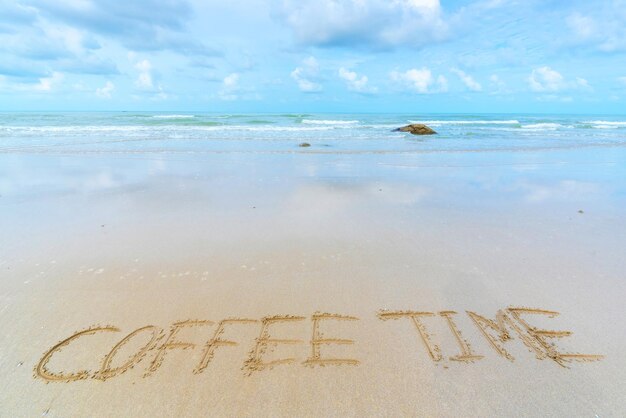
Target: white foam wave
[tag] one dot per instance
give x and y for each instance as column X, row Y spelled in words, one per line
column 173, row 116
column 271, row 128
column 606, row 124
column 467, row 122
column 329, row 122
column 140, row 128
column 382, row 126
column 543, row 126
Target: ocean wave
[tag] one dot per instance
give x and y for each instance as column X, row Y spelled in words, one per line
column 606, row 124
column 294, row 115
column 329, row 122
column 381, row 126
column 467, row 122
column 260, row 122
column 543, row 126
column 277, row 128
column 173, row 116
column 76, row 129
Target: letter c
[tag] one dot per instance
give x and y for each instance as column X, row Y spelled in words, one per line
column 41, row 370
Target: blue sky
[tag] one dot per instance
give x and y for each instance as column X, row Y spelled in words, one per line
column 314, row 55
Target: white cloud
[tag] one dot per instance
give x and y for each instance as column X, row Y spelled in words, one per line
column 307, row 76
column 143, row 66
column 72, row 39
column 354, row 82
column 582, row 84
column 547, row 80
column 469, row 82
column 140, row 25
column 601, row 26
column 497, row 85
column 371, row 23
column 419, row 80
column 231, row 81
column 622, row 80
column 230, row 86
column 584, row 27
column 48, row 83
column 144, row 79
column 231, row 89
column 106, row 91
column 43, row 84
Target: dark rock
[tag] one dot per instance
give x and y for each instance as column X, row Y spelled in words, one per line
column 416, row 129
column 304, row 145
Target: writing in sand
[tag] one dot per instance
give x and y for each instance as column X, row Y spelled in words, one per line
column 497, row 331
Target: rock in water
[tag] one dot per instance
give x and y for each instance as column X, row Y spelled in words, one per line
column 416, row 129
column 304, row 145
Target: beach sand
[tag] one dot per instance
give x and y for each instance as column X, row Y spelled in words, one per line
column 318, row 261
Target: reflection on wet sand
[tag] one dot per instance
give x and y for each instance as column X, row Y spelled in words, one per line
column 232, row 279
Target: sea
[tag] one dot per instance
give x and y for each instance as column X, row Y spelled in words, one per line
column 199, row 132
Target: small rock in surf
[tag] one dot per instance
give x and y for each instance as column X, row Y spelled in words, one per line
column 416, row 129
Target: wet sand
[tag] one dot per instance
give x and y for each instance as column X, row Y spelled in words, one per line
column 310, row 284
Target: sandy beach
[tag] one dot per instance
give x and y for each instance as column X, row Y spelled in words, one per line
column 313, row 284
column 312, row 208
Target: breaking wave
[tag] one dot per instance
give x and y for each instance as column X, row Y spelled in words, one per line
column 467, row 122
column 329, row 122
column 173, row 117
column 606, row 124
column 543, row 126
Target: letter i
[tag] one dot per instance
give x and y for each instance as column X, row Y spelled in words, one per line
column 466, row 351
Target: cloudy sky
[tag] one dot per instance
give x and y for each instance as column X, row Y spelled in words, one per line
column 314, row 55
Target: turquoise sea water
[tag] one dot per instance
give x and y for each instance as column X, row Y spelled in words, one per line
column 193, row 132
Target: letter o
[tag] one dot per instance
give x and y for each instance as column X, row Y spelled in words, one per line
column 105, row 370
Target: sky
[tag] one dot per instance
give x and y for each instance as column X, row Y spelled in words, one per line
column 439, row 56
